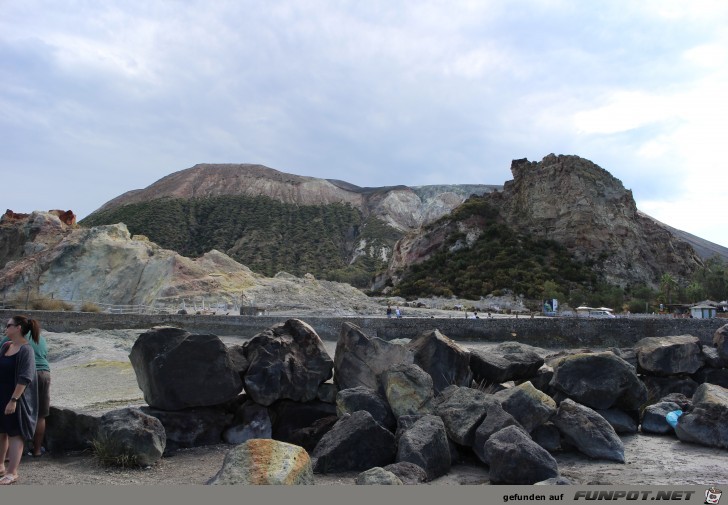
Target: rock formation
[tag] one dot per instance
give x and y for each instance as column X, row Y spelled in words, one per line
column 578, row 204
column 40, row 255
column 513, row 431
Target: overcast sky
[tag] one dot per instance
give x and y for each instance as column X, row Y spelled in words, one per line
column 101, row 97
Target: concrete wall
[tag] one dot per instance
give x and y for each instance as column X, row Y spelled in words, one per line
column 544, row 332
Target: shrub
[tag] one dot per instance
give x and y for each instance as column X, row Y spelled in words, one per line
column 90, row 307
column 49, row 304
column 108, row 452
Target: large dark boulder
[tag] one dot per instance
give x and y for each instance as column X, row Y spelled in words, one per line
column 301, row 423
column 717, row 376
column 712, row 357
column 68, row 430
column 462, row 410
column 132, row 437
column 669, row 355
column 495, row 420
column 707, row 423
column 177, row 370
column 528, row 405
column 659, row 387
column 654, row 420
column 547, row 436
column 720, row 342
column 351, row 400
column 508, row 361
column 192, row 427
column 516, row 459
column 447, row 362
column 599, row 380
column 359, row 360
column 287, row 361
column 621, row 421
column 355, row 442
column 425, row 444
column 408, row 473
column 251, row 421
column 589, row 432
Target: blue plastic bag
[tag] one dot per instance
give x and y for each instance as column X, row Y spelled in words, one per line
column 673, row 416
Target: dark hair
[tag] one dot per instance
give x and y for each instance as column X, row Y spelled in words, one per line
column 28, row 325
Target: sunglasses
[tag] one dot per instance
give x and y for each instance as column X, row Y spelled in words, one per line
column 9, row 325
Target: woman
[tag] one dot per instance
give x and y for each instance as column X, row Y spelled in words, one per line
column 18, row 393
column 43, row 373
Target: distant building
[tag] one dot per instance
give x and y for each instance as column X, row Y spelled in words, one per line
column 704, row 310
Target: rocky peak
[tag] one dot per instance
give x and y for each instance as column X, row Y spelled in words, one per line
column 578, row 204
column 582, row 206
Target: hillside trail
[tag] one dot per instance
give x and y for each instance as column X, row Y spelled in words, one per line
column 91, row 372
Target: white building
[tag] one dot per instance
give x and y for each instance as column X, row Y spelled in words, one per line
column 704, row 310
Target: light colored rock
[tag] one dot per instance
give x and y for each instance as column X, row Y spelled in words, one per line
column 265, row 462
column 408, row 389
column 377, row 476
column 105, row 264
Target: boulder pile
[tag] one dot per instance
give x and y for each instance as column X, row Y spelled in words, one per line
column 404, row 412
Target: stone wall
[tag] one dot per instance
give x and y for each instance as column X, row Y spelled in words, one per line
column 556, row 332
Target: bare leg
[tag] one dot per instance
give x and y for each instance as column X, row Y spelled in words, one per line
column 39, row 435
column 15, row 453
column 3, row 450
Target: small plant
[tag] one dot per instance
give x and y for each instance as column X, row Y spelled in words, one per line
column 109, row 452
column 486, row 386
column 90, row 307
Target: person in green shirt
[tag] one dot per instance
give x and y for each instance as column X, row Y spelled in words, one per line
column 43, row 371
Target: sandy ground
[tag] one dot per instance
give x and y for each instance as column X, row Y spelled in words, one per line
column 91, row 371
column 651, row 460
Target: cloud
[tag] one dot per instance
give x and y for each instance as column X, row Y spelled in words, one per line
column 122, row 94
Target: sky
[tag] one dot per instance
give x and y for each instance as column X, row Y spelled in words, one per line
column 99, row 98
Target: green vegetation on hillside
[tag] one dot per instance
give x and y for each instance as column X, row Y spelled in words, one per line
column 500, row 259
column 269, row 237
column 266, row 235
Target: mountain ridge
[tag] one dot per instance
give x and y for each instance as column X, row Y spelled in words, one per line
column 376, row 234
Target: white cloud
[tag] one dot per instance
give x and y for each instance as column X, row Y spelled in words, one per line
column 373, row 92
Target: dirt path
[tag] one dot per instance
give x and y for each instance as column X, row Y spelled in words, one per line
column 651, row 460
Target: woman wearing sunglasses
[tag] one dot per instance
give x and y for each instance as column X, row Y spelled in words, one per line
column 18, row 393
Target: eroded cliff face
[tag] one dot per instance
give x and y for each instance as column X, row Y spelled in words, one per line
column 576, row 203
column 104, row 264
column 582, row 206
